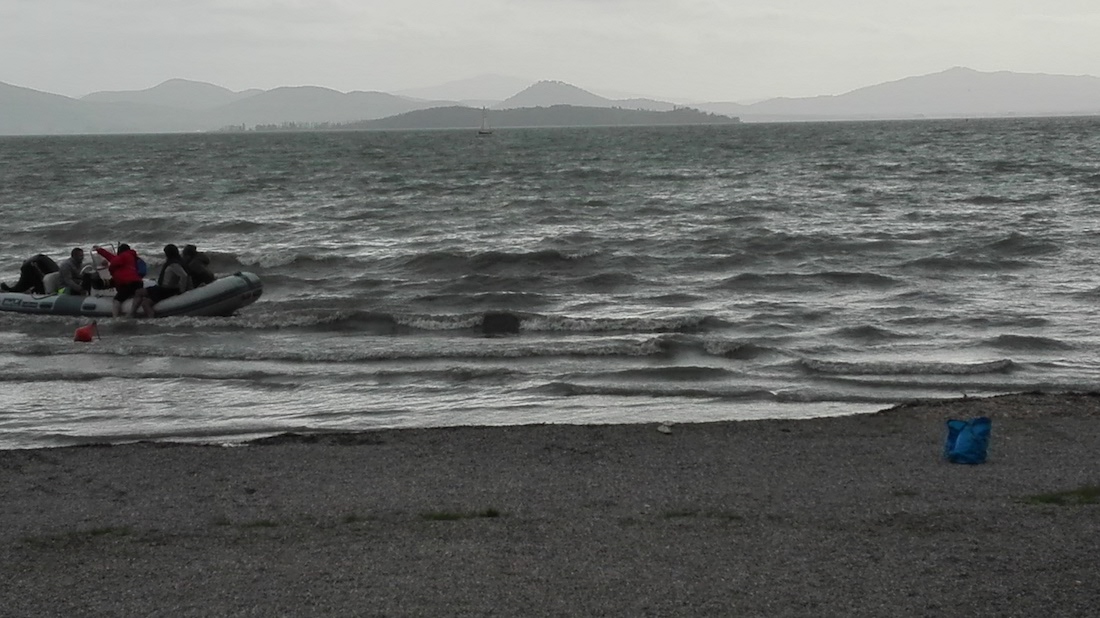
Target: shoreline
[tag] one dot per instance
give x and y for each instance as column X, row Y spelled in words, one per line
column 852, row 516
column 1038, row 404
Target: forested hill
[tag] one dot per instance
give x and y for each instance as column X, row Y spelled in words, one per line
column 457, row 117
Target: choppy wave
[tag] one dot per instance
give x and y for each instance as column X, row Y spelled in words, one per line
column 257, row 378
column 396, row 346
column 681, row 324
column 376, row 322
column 1027, row 342
column 985, row 200
column 382, row 322
column 906, row 367
column 726, row 393
column 239, row 226
column 454, row 261
column 677, row 374
column 870, row 333
column 959, row 262
column 568, row 389
column 472, row 349
column 1017, row 244
column 296, row 262
column 799, row 281
column 739, row 350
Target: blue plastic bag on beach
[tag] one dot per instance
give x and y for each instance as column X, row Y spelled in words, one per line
column 967, row 441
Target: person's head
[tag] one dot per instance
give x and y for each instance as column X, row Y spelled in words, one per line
column 189, row 250
column 77, row 255
column 171, row 252
column 123, row 247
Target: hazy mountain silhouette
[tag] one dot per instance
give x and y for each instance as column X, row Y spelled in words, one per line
column 30, row 112
column 479, row 91
column 184, row 105
column 181, row 93
column 313, row 104
column 547, row 93
column 957, row 92
column 26, row 111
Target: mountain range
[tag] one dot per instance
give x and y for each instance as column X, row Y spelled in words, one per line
column 182, row 105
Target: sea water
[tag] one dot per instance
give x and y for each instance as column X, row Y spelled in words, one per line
column 675, row 274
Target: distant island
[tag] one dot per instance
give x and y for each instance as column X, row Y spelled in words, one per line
column 179, row 105
column 459, row 117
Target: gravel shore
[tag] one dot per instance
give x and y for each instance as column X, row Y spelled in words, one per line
column 853, row 516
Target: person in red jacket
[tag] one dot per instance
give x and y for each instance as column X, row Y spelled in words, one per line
column 124, row 275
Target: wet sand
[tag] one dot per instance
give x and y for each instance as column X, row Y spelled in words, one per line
column 854, row 516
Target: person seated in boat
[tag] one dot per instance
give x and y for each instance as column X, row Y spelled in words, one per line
column 73, row 279
column 124, row 273
column 197, row 265
column 173, row 280
column 32, row 274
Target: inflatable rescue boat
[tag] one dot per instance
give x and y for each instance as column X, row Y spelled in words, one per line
column 223, row 297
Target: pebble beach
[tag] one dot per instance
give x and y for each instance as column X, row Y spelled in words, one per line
column 848, row 516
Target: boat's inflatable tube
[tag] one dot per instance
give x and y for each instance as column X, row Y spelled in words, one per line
column 221, row 298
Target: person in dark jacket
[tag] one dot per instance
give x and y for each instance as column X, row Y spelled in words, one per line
column 197, row 265
column 173, row 280
column 31, row 275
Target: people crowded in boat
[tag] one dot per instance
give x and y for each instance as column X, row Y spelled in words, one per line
column 173, row 280
column 76, row 278
column 197, row 266
column 112, row 283
column 181, row 272
column 32, row 275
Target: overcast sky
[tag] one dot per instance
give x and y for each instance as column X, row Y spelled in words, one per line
column 702, row 50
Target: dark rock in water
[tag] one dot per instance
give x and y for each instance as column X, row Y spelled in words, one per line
column 499, row 324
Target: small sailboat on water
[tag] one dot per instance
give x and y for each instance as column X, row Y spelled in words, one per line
column 484, row 130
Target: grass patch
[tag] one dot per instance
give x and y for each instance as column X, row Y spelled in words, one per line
column 260, row 523
column 726, row 515
column 442, row 516
column 1088, row 494
column 356, row 518
column 77, row 537
column 457, row 515
column 109, row 531
column 682, row 513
